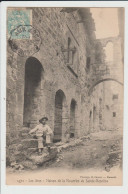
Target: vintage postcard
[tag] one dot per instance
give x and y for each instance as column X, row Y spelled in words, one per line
column 64, row 96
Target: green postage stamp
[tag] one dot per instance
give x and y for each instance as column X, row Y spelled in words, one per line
column 19, row 20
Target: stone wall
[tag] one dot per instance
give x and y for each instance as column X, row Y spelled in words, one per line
column 113, row 106
column 61, row 71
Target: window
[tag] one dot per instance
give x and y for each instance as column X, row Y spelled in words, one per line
column 69, row 59
column 114, row 114
column 115, row 96
column 90, row 114
column 88, row 62
column 109, row 52
column 71, row 55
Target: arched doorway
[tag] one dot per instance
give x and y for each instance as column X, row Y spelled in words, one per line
column 72, row 118
column 94, row 117
column 90, row 121
column 100, row 112
column 33, row 75
column 59, row 113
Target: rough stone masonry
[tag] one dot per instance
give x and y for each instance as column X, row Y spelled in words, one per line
column 55, row 80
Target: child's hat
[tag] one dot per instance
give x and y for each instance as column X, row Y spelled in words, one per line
column 44, row 117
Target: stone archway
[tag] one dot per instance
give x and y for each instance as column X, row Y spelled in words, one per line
column 32, row 89
column 72, row 118
column 60, row 101
column 100, row 81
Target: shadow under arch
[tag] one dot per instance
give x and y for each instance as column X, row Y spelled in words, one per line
column 60, row 111
column 103, row 80
column 33, row 60
column 34, row 73
column 73, row 110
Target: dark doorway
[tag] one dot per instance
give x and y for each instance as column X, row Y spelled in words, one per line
column 72, row 118
column 59, row 103
column 90, row 121
column 94, row 117
column 100, row 111
column 33, row 75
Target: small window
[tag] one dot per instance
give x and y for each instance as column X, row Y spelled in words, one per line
column 88, row 62
column 114, row 114
column 115, row 96
column 90, row 114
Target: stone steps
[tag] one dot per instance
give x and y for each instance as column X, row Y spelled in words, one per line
column 24, row 132
column 26, row 151
column 44, row 157
column 29, row 143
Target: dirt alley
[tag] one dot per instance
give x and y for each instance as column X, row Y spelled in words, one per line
column 102, row 152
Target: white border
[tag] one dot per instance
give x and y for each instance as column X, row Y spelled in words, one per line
column 60, row 189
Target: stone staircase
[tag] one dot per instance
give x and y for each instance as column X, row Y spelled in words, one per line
column 25, row 152
column 28, row 141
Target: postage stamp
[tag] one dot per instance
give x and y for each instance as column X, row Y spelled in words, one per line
column 19, row 17
column 23, row 38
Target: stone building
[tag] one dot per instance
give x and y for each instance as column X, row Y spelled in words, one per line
column 51, row 81
column 106, row 92
column 60, row 78
column 106, row 111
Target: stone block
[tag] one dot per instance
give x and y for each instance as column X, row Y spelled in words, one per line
column 27, row 143
column 45, row 157
column 29, row 165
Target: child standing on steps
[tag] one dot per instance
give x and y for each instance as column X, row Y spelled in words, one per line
column 43, row 131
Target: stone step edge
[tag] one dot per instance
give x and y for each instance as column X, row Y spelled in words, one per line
column 27, row 140
column 62, row 147
column 74, row 141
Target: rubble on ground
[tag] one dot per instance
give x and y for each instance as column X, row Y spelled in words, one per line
column 32, row 160
column 17, row 166
column 114, row 156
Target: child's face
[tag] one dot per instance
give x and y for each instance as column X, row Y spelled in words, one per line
column 44, row 121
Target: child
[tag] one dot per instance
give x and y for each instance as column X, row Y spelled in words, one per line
column 42, row 130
